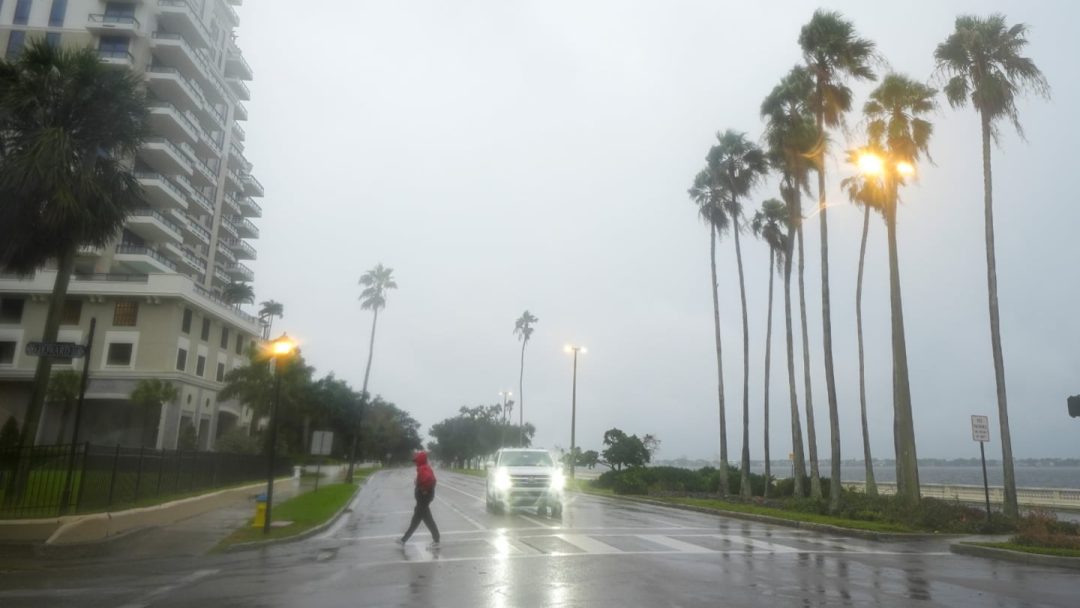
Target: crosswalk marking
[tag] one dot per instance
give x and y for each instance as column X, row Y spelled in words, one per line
column 671, row 543
column 588, row 544
column 757, row 545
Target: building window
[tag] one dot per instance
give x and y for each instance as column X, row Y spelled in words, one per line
column 52, row 39
column 22, row 11
column 120, row 9
column 185, row 325
column 224, row 337
column 113, row 47
column 125, row 314
column 239, row 343
column 119, row 354
column 181, row 359
column 56, row 15
column 205, row 330
column 11, row 310
column 16, row 42
column 7, row 353
column 220, row 372
column 200, row 366
column 72, row 312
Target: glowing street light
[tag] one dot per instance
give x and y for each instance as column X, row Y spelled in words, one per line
column 572, row 348
column 871, row 164
column 278, row 349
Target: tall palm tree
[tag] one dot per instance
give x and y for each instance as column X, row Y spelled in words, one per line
column 862, row 191
column 523, row 329
column 149, row 394
column 983, row 61
column 237, row 293
column 769, row 224
column 895, row 124
column 63, row 391
column 376, row 282
column 269, row 310
column 832, row 52
column 738, row 165
column 68, row 124
column 711, row 211
column 791, row 137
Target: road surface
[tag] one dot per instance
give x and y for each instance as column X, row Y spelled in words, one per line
column 603, row 553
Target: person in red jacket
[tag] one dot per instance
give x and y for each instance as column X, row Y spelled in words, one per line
column 425, row 494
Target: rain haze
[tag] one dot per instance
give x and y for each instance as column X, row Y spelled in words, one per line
column 504, row 156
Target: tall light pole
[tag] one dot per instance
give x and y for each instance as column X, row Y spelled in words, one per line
column 280, row 348
column 572, row 348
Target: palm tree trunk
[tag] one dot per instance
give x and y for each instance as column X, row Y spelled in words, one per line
column 719, row 364
column 768, row 361
column 826, row 333
column 871, row 485
column 1011, row 508
column 798, row 458
column 371, row 349
column 521, row 384
column 744, row 479
column 363, row 392
column 907, row 462
column 811, row 434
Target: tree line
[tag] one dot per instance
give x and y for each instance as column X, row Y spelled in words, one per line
column 981, row 63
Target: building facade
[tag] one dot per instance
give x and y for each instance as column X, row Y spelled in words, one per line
column 156, row 292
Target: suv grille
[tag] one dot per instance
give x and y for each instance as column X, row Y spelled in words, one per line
column 531, row 481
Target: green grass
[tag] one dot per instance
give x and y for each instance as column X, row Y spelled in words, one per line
column 1032, row 549
column 305, row 511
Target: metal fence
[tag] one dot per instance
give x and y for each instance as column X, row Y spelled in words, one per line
column 46, row 481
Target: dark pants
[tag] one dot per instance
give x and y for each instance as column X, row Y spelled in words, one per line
column 423, row 513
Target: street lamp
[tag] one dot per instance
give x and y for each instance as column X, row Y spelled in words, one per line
column 572, row 348
column 278, row 349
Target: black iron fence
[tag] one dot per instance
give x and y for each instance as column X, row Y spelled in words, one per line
column 46, row 481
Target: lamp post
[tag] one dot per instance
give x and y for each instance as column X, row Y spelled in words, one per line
column 282, row 347
column 575, row 349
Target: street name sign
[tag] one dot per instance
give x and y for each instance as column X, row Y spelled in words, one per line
column 56, row 350
column 321, row 443
column 980, row 429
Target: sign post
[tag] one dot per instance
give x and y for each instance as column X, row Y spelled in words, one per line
column 85, row 352
column 321, row 444
column 980, row 431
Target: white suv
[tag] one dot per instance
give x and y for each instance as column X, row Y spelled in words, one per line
column 525, row 477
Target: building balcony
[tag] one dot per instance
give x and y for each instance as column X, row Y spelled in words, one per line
column 241, row 249
column 232, row 206
column 160, row 191
column 222, row 276
column 252, row 186
column 195, row 232
column 208, row 145
column 169, row 121
column 238, row 132
column 241, row 90
column 185, row 259
column 122, row 59
column 228, row 231
column 113, row 25
column 244, row 227
column 142, row 259
column 236, row 66
column 179, row 16
column 249, row 208
column 234, row 17
column 225, row 254
column 202, row 203
column 240, row 272
column 165, row 156
column 237, row 160
column 202, row 175
column 234, row 180
column 240, row 112
column 151, row 225
column 169, row 84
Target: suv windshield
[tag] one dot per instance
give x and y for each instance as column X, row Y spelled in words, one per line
column 525, row 459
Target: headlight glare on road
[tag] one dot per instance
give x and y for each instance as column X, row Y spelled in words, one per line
column 558, row 481
column 502, row 480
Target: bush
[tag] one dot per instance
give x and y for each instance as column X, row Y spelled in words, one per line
column 237, row 441
column 1041, row 528
column 673, row 480
column 187, row 439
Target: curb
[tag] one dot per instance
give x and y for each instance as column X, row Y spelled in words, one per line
column 1034, row 559
column 306, row 534
column 779, row 521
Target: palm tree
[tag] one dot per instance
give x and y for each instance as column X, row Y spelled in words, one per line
column 769, row 225
column 738, row 165
column 377, row 282
column 149, row 394
column 791, row 137
column 862, row 191
column 983, row 62
column 895, row 125
column 237, row 293
column 68, row 124
column 523, row 329
column 832, row 52
column 269, row 310
column 64, row 391
column 711, row 211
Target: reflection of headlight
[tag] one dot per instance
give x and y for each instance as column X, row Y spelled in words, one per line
column 558, row 481
column 502, row 480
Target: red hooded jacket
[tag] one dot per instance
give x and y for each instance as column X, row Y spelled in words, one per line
column 425, row 477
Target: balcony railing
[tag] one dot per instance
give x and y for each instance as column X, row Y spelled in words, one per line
column 183, row 4
column 202, row 233
column 113, row 54
column 239, row 131
column 256, row 210
column 148, row 212
column 246, row 224
column 171, row 185
column 242, row 246
column 115, row 20
column 231, row 307
column 150, row 253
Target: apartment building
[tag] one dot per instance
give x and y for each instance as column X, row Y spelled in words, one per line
column 156, row 291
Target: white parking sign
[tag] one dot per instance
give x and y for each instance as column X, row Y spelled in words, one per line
column 980, row 428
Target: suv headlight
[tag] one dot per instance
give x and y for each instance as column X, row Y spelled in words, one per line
column 502, row 480
column 558, row 481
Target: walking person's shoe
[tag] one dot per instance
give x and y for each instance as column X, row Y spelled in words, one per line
column 400, row 542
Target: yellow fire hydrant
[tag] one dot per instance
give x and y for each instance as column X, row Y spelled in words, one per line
column 260, row 511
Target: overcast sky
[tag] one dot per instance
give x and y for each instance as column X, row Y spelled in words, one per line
column 503, row 156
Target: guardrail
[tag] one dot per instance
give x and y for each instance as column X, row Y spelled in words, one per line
column 1054, row 498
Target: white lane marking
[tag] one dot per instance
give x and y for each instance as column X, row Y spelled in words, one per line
column 450, row 487
column 478, row 525
column 671, row 543
column 538, row 522
column 587, row 544
column 757, row 545
column 148, row 599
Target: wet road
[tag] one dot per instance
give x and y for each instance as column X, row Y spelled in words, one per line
column 603, row 553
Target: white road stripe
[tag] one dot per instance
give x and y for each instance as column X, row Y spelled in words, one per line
column 587, row 544
column 148, row 599
column 478, row 525
column 459, row 491
column 757, row 545
column 675, row 544
column 538, row 522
